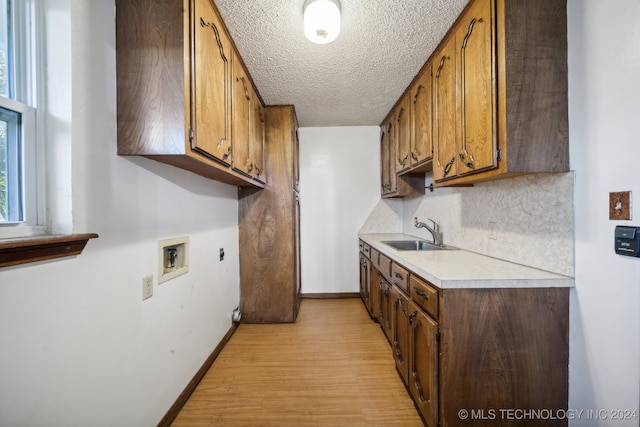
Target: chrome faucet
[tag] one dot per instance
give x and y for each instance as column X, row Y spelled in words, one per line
column 435, row 231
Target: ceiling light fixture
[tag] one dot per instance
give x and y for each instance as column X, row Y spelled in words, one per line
column 322, row 20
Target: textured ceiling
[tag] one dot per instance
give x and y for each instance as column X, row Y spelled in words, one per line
column 356, row 79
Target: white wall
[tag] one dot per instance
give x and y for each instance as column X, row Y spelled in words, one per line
column 339, row 186
column 78, row 346
column 604, row 113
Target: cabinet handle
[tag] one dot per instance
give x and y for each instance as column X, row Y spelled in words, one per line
column 469, row 163
column 244, row 85
column 416, row 382
column 250, row 168
column 258, row 171
column 415, row 98
column 442, row 61
column 471, row 25
column 412, row 317
column 217, row 34
column 414, row 156
column 227, row 154
column 447, row 168
column 422, row 294
column 403, row 160
column 396, row 347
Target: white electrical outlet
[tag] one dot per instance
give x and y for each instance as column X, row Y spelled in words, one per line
column 147, row 287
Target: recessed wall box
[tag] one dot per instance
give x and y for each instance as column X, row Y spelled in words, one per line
column 627, row 241
column 173, row 258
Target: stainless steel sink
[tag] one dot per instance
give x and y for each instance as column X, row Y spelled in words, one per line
column 413, row 245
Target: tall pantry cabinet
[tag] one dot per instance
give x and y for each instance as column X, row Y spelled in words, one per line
column 269, row 224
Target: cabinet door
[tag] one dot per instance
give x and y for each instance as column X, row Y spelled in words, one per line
column 400, row 335
column 422, row 118
column 364, row 280
column 403, row 134
column 393, row 149
column 385, row 303
column 375, row 296
column 241, row 120
column 476, row 93
column 423, row 363
column 385, row 183
column 445, row 164
column 257, row 139
column 210, row 85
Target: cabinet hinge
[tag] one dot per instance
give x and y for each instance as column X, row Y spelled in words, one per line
column 499, row 154
column 191, row 134
column 438, row 336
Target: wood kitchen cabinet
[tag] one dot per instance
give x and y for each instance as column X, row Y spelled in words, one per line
column 400, row 332
column 257, row 139
column 511, row 108
column 476, row 348
column 248, row 126
column 175, row 68
column 393, row 185
column 402, row 118
column 386, row 301
column 422, row 121
column 269, row 228
column 445, row 163
column 499, row 94
column 423, row 363
column 365, row 282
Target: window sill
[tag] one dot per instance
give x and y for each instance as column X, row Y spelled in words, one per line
column 41, row 248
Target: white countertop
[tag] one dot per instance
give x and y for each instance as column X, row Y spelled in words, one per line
column 457, row 268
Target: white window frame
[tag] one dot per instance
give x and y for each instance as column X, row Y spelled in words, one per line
column 28, row 51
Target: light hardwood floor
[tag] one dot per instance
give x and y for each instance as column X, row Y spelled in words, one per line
column 333, row 367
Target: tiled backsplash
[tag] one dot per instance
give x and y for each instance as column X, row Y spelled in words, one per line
column 527, row 220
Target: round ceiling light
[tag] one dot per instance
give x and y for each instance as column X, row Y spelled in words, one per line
column 322, row 20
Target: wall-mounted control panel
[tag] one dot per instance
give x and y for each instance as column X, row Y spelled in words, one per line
column 173, row 258
column 627, row 241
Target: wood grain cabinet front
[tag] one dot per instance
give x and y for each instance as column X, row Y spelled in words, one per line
column 473, row 348
column 511, row 114
column 400, row 332
column 495, row 112
column 392, row 184
column 421, row 139
column 269, row 228
column 175, row 69
column 423, row 363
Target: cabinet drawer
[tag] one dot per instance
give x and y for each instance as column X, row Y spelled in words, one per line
column 385, row 267
column 425, row 295
column 361, row 244
column 400, row 277
column 375, row 258
column 367, row 251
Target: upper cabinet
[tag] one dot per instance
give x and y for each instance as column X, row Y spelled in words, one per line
column 403, row 134
column 183, row 95
column 498, row 95
column 421, row 97
column 392, row 184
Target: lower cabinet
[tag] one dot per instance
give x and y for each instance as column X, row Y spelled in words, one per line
column 365, row 282
column 400, row 332
column 423, row 363
column 482, row 352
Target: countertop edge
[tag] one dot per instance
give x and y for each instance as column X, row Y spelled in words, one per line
column 521, row 276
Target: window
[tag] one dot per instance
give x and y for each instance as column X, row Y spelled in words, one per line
column 18, row 174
